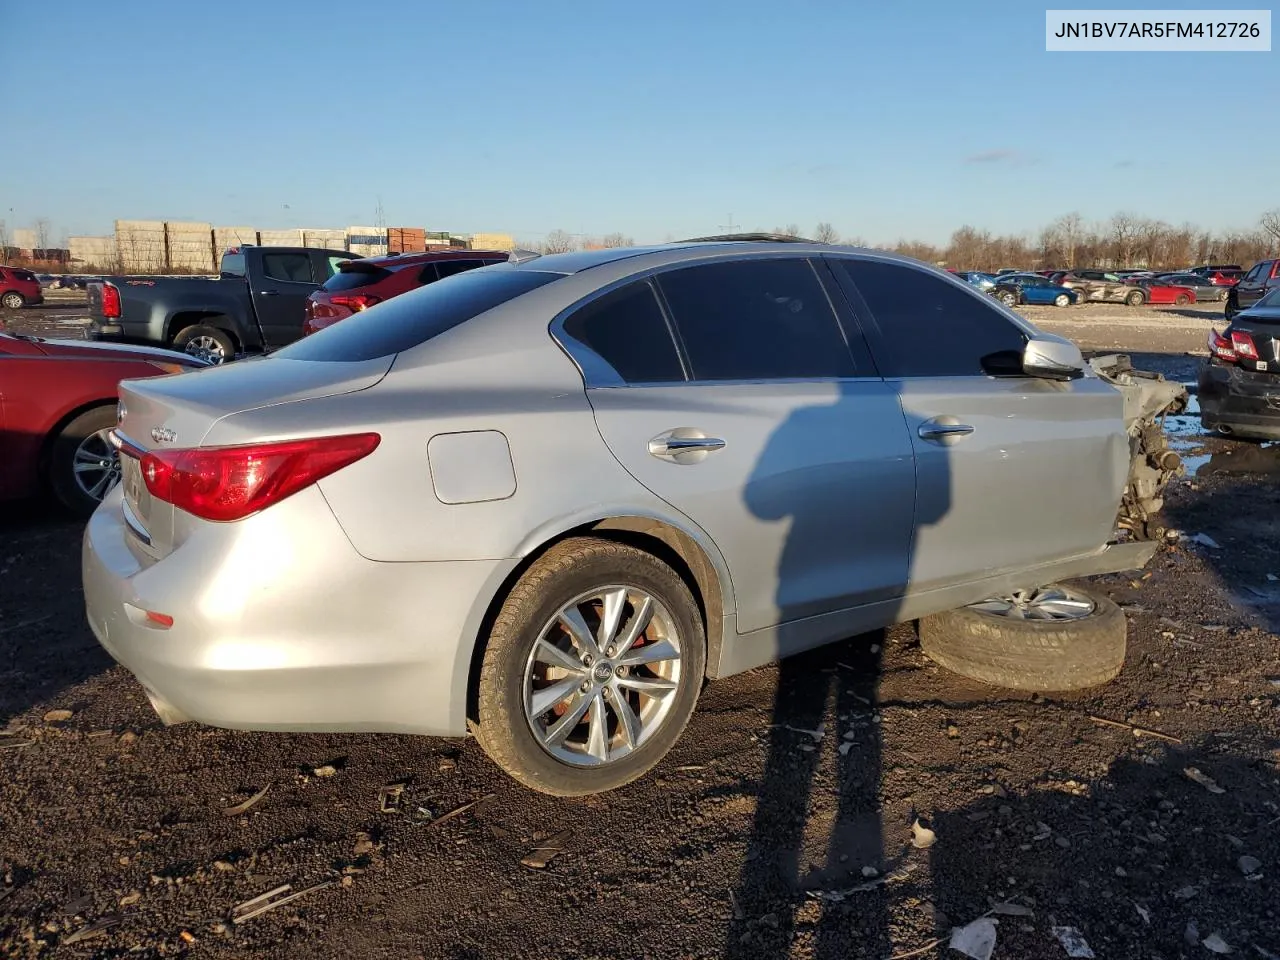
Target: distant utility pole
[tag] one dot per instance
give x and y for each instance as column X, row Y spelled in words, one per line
column 729, row 227
column 379, row 220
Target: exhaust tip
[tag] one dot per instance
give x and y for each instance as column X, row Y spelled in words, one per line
column 1225, row 430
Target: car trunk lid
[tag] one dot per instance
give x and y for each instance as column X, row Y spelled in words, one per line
column 1262, row 326
column 163, row 414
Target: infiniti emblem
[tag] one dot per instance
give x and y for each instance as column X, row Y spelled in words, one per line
column 163, row 435
column 602, row 672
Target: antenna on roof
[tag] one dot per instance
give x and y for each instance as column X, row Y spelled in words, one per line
column 520, row 256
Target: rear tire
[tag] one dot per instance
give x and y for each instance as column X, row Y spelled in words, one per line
column 1022, row 654
column 201, row 340
column 1136, row 299
column 13, row 300
column 522, row 741
column 83, row 466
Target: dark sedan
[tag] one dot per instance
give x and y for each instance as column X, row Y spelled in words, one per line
column 1206, row 292
column 1240, row 382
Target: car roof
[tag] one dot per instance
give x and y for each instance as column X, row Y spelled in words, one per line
column 691, row 251
column 427, row 256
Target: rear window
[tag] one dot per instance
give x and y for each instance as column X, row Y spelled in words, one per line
column 415, row 317
column 232, row 265
column 351, row 279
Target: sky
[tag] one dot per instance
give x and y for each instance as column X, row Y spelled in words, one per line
column 659, row 120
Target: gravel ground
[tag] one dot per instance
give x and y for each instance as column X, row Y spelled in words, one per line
column 755, row 838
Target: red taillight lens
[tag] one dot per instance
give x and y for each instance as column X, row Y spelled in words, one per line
column 110, row 301
column 357, row 301
column 1243, row 345
column 230, row 483
column 1220, row 347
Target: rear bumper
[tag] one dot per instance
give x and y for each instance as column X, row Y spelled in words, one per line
column 1239, row 402
column 278, row 624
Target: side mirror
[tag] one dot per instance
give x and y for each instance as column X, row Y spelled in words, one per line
column 1052, row 360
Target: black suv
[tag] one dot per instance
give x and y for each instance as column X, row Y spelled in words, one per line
column 1264, row 276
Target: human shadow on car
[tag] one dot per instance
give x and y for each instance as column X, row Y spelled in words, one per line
column 824, row 737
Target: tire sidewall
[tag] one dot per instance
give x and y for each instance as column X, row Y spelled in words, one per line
column 503, row 728
column 1135, row 299
column 62, row 479
column 1062, row 300
column 13, row 300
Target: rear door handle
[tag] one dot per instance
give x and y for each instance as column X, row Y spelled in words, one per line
column 684, row 445
column 268, row 293
column 944, row 430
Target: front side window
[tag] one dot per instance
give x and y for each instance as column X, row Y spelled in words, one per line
column 932, row 328
column 627, row 330
column 287, row 267
column 757, row 319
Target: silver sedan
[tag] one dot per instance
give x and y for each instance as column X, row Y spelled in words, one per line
column 542, row 501
column 1206, row 292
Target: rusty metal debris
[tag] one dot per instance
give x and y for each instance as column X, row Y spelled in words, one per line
column 240, row 808
column 1137, row 731
column 459, row 811
column 389, row 797
column 546, row 851
column 268, row 901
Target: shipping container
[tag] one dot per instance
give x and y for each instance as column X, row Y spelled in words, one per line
column 141, row 245
column 492, row 241
column 280, row 238
column 325, row 238
column 406, row 239
column 94, row 252
column 189, row 246
column 367, row 241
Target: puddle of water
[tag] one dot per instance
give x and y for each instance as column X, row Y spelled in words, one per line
column 1259, row 460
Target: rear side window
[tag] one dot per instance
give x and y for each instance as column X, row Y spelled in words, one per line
column 753, row 319
column 447, row 268
column 24, row 275
column 930, row 327
column 627, row 330
column 233, row 265
column 415, row 317
column 351, row 279
column 287, row 267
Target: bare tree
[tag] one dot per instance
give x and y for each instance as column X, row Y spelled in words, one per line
column 617, row 240
column 1271, row 224
column 825, row 233
column 4, row 236
column 1124, row 236
column 791, row 230
column 42, row 230
column 1069, row 229
column 558, row 241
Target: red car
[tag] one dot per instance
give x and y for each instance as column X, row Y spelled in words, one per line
column 57, row 405
column 359, row 284
column 19, row 288
column 1161, row 291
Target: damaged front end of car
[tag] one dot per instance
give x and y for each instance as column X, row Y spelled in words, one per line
column 1148, row 399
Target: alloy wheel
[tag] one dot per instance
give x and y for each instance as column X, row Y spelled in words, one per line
column 96, row 465
column 602, row 676
column 1044, row 603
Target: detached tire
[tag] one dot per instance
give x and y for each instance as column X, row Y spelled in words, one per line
column 552, row 662
column 1027, row 654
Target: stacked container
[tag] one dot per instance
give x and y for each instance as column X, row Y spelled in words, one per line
column 189, row 246
column 141, row 245
column 367, row 241
column 406, row 239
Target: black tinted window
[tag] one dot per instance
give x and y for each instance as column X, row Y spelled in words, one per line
column 930, row 327
column 415, row 317
column 626, row 328
column 233, row 264
column 448, row 268
column 351, row 279
column 289, row 267
column 756, row 320
column 428, row 274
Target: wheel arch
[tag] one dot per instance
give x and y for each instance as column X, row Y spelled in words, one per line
column 690, row 555
column 190, row 318
column 51, row 436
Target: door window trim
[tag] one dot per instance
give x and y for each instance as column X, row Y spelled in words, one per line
column 875, row 333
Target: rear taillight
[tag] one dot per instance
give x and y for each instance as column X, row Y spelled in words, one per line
column 110, row 301
column 230, row 483
column 356, row 301
column 1220, row 347
column 1244, row 346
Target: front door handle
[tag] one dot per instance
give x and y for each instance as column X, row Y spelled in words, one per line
column 944, row 430
column 268, row 293
column 684, row 445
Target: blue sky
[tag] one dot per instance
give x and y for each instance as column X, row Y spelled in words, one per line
column 658, row 120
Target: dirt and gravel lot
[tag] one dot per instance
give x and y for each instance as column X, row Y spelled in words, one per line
column 779, row 827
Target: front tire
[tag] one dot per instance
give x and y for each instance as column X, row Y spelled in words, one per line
column 83, row 465
column 1050, row 639
column 592, row 669
column 1008, row 298
column 1135, row 299
column 1062, row 300
column 1181, row 300
column 206, row 342
column 13, row 300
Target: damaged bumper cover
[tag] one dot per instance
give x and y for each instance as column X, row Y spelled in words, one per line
column 1148, row 399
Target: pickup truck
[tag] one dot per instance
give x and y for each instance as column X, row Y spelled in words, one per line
column 255, row 305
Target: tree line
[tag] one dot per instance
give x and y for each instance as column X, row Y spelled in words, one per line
column 1126, row 240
